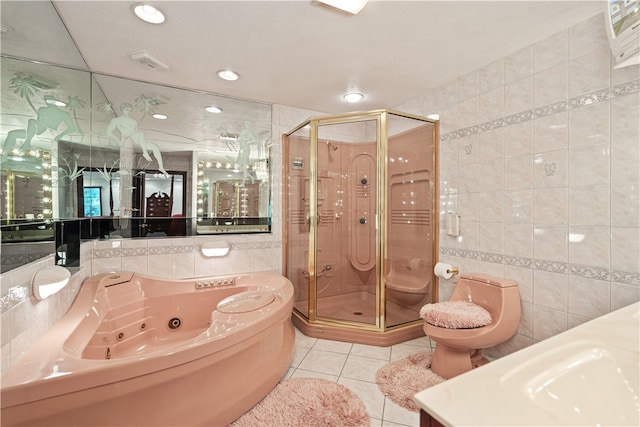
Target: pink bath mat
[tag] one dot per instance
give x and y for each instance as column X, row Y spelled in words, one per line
column 455, row 315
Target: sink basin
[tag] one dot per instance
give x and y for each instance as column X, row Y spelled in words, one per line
column 581, row 383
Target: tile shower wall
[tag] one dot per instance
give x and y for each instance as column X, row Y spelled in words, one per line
column 24, row 320
column 540, row 154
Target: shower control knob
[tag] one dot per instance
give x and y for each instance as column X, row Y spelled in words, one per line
column 363, row 221
column 363, row 181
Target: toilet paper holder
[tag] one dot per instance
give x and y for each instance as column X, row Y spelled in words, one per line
column 445, row 271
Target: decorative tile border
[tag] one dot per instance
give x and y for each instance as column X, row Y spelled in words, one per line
column 586, row 271
column 181, row 249
column 21, row 259
column 15, row 296
column 590, row 98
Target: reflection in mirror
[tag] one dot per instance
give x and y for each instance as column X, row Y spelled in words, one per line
column 229, row 138
column 42, row 106
column 26, row 186
column 75, row 144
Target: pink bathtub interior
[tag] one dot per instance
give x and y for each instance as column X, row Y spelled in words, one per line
column 133, row 350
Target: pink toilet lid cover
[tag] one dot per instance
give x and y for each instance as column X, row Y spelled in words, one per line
column 455, row 315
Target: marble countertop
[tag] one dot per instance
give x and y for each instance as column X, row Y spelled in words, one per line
column 587, row 375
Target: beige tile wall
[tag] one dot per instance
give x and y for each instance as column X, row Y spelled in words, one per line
column 540, row 154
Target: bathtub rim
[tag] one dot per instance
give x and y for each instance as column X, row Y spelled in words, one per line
column 26, row 381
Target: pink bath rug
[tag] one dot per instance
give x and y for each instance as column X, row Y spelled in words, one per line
column 307, row 402
column 455, row 314
column 401, row 379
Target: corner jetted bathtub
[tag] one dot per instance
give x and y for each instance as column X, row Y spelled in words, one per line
column 138, row 351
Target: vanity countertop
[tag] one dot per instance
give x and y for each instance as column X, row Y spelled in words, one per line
column 587, row 375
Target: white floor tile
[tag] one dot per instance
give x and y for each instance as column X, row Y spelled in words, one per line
column 362, row 368
column 355, row 366
column 369, row 394
column 325, row 362
column 301, row 373
column 371, row 351
column 397, row 414
column 333, row 346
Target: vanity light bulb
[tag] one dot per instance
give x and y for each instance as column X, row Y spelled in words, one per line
column 46, row 177
column 200, row 173
column 218, row 165
column 200, row 201
column 200, row 210
column 208, row 164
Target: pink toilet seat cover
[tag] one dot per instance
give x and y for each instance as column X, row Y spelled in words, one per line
column 455, row 315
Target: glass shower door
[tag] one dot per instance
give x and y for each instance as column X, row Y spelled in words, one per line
column 346, row 244
column 297, row 185
column 411, row 180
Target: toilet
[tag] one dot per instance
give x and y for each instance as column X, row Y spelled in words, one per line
column 483, row 311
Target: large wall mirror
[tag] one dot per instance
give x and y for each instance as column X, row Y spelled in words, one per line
column 133, row 159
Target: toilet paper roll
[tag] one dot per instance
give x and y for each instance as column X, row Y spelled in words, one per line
column 443, row 270
column 416, row 264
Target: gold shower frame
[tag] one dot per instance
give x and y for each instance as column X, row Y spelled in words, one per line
column 320, row 327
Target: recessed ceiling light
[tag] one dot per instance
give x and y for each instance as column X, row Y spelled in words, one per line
column 228, row 75
column 160, row 116
column 353, row 97
column 148, row 13
column 213, row 109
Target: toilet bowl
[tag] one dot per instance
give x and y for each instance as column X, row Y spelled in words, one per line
column 460, row 350
column 408, row 282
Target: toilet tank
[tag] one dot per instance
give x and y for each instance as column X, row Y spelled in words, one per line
column 486, row 291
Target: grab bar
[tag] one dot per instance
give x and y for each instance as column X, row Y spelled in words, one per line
column 326, row 268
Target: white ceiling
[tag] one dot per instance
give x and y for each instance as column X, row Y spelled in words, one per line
column 300, row 54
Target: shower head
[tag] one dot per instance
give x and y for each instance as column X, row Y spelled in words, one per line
column 330, row 145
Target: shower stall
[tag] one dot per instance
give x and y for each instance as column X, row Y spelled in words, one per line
column 361, row 197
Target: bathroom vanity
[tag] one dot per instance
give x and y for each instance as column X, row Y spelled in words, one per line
column 587, row 375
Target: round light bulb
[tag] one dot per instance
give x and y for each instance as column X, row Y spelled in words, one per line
column 353, row 97
column 228, row 75
column 148, row 13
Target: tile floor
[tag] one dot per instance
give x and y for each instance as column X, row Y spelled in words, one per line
column 355, row 366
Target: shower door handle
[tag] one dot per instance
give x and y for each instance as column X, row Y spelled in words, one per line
column 318, row 218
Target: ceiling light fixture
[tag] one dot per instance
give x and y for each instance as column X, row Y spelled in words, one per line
column 353, row 97
column 160, row 116
column 228, row 75
column 148, row 13
column 213, row 109
column 350, row 6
